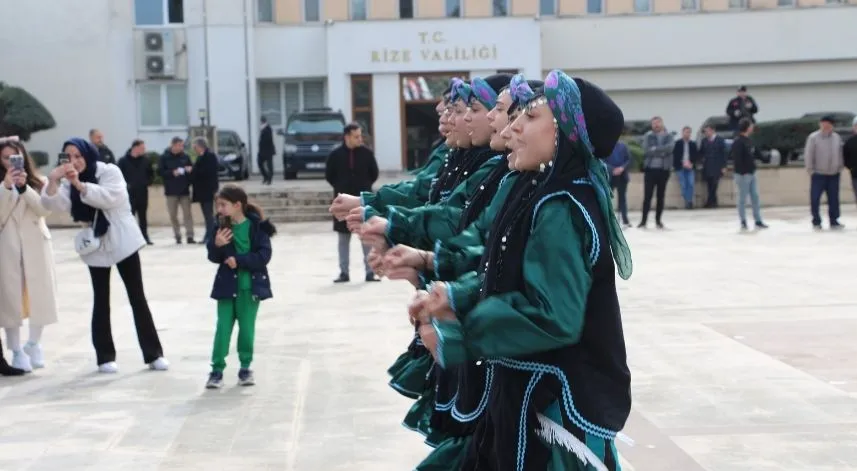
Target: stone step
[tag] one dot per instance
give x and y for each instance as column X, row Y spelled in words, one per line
column 297, row 210
column 289, row 218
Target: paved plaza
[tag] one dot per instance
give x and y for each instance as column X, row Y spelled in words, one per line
column 740, row 347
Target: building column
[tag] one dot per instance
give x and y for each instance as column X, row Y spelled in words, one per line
column 388, row 121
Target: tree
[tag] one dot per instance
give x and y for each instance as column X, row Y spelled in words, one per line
column 21, row 114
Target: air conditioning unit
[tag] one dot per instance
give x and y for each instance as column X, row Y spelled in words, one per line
column 159, row 54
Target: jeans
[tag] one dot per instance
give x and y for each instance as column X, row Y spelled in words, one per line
column 712, row 183
column 102, row 336
column 266, row 166
column 345, row 254
column 828, row 184
column 173, row 203
column 654, row 179
column 747, row 186
column 207, row 208
column 685, row 180
column 620, row 184
column 139, row 207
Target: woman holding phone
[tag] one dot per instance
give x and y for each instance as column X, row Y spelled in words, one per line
column 96, row 195
column 27, row 279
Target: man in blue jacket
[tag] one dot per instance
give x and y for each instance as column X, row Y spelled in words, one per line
column 685, row 156
column 617, row 164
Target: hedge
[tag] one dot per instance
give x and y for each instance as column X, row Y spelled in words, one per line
column 39, row 157
column 788, row 136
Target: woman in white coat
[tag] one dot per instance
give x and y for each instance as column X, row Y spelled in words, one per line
column 97, row 196
column 27, row 280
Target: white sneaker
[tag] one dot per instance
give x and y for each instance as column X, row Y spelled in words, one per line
column 34, row 351
column 110, row 367
column 160, row 364
column 21, row 361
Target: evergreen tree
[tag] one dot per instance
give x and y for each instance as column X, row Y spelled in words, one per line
column 21, row 114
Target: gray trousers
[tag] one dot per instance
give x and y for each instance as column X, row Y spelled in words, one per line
column 173, row 203
column 345, row 253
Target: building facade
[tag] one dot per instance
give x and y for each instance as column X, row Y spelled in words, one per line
column 378, row 60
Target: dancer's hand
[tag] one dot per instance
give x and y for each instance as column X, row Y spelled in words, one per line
column 429, row 337
column 404, row 273
column 373, row 232
column 438, row 302
column 355, row 219
column 375, row 259
column 342, row 204
column 416, row 307
column 231, row 263
column 402, row 256
column 223, row 237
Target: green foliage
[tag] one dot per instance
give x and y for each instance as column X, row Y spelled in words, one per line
column 21, row 114
column 40, row 158
column 153, row 162
column 785, row 135
column 636, row 151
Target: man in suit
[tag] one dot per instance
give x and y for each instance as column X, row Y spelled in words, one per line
column 266, row 152
column 205, row 183
column 713, row 152
column 685, row 156
column 351, row 169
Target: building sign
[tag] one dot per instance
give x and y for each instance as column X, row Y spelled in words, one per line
column 431, row 45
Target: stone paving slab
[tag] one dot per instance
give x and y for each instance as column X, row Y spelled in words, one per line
column 739, row 344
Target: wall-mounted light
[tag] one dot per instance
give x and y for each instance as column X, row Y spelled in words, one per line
column 203, row 115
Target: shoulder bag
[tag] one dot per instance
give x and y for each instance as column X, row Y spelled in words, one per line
column 85, row 241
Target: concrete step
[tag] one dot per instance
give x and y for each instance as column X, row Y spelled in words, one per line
column 288, row 218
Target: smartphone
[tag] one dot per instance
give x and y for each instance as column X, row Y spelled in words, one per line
column 17, row 161
column 224, row 221
column 63, row 158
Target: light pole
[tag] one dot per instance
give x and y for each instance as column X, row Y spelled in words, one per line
column 203, row 115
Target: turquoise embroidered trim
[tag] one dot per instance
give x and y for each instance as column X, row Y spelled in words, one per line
column 595, row 250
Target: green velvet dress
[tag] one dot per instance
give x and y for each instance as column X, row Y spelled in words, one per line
column 410, row 193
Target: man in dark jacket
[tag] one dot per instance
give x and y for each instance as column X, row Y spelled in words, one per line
column 175, row 168
column 740, row 107
column 849, row 155
column 617, row 164
column 713, row 152
column 351, row 168
column 744, row 156
column 685, row 156
column 205, row 183
column 104, row 152
column 139, row 175
column 266, row 152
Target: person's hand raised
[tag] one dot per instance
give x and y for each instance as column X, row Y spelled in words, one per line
column 223, row 237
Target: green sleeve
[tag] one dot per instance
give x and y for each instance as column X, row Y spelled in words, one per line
column 549, row 312
column 421, row 227
column 408, row 194
column 461, row 253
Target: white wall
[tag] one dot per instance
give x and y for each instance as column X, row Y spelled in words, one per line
column 294, row 51
column 80, row 70
column 387, row 114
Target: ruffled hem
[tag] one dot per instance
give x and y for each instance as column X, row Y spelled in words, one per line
column 448, row 456
column 409, row 379
column 419, row 415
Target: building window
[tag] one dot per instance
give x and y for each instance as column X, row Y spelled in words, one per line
column 547, row 7
column 785, row 3
column 835, row 2
column 453, row 8
column 689, row 5
column 501, row 7
column 594, row 7
column 361, row 102
column 312, row 10
column 642, row 6
column 264, row 11
column 358, row 10
column 738, row 4
column 162, row 105
column 278, row 100
column 158, row 12
column 406, row 8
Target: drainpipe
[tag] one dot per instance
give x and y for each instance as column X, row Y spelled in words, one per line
column 205, row 51
column 247, row 86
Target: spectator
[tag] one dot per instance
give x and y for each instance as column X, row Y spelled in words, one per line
column 658, row 145
column 617, row 164
column 849, row 155
column 744, row 156
column 205, row 183
column 740, row 107
column 175, row 167
column 713, row 151
column 685, row 156
column 823, row 159
column 351, row 168
column 104, row 153
column 139, row 174
column 266, row 152
column 97, row 196
column 27, row 277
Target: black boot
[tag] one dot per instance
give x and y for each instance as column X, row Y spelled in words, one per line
column 5, row 368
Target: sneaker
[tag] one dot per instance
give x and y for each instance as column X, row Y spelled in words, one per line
column 837, row 227
column 109, row 368
column 245, row 377
column 343, row 278
column 34, row 351
column 160, row 364
column 761, row 225
column 215, row 380
column 371, row 277
column 743, row 226
column 21, row 361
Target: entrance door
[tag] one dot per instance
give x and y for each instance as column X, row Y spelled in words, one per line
column 420, row 94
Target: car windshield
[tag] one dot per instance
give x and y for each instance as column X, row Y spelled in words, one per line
column 315, row 124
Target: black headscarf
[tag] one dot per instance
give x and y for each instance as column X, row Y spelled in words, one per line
column 80, row 211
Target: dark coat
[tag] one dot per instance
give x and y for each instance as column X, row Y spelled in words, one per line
column 106, row 155
column 266, row 143
column 204, row 177
column 849, row 155
column 741, row 108
column 350, row 171
column 678, row 154
column 744, row 155
column 255, row 261
column 138, row 173
column 713, row 156
column 174, row 185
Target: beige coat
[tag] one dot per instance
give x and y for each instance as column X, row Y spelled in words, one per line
column 28, row 260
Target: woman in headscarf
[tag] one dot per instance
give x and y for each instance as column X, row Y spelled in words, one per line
column 547, row 322
column 97, row 196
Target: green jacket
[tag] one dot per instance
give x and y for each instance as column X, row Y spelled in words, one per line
column 409, row 193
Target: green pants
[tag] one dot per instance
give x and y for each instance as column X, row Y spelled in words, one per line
column 243, row 309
